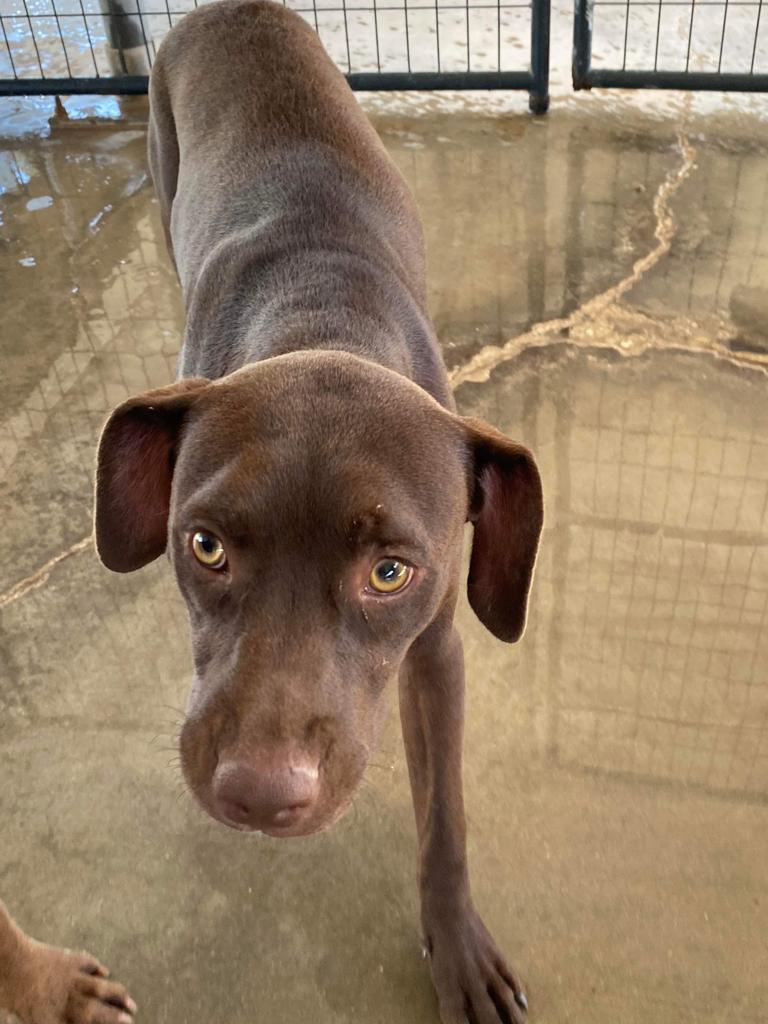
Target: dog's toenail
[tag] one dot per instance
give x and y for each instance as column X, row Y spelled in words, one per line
column 521, row 1000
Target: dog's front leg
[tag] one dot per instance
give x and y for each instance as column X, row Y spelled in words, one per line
column 474, row 984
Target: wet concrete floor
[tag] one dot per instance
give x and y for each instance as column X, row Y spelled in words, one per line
column 616, row 758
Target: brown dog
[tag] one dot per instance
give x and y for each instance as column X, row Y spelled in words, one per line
column 45, row 985
column 308, row 475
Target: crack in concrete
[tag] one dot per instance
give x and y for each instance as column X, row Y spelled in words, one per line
column 481, row 365
column 602, row 322
column 41, row 576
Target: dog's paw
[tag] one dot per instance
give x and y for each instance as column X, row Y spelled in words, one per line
column 56, row 986
column 473, row 982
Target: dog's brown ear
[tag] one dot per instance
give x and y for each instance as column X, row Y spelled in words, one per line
column 507, row 510
column 134, row 473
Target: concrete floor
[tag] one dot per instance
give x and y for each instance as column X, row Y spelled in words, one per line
column 617, row 758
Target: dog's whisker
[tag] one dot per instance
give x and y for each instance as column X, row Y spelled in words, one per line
column 172, row 707
column 169, row 733
column 165, row 739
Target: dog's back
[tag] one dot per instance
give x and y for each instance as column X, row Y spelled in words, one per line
column 289, row 224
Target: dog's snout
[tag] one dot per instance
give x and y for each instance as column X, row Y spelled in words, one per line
column 274, row 796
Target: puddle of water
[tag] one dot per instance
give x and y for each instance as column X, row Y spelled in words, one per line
column 39, row 203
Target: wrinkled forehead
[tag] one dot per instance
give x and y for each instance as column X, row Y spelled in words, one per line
column 355, row 464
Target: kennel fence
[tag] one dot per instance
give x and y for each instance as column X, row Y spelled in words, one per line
column 671, row 44
column 50, row 47
column 107, row 46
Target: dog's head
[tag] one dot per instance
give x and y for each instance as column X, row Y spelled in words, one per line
column 313, row 507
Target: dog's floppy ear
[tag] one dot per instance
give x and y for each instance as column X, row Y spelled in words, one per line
column 134, row 473
column 507, row 510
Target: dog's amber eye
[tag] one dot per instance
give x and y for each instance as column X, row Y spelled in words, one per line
column 389, row 575
column 208, row 550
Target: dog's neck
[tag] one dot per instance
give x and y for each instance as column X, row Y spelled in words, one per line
column 310, row 253
column 367, row 311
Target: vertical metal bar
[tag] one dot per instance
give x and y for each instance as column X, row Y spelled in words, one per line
column 626, row 35
column 126, row 38
column 466, row 14
column 757, row 33
column 8, row 47
column 61, row 37
column 722, row 36
column 346, row 35
column 658, row 34
column 582, row 44
column 142, row 31
column 168, row 13
column 690, row 35
column 437, row 34
column 407, row 35
column 34, row 41
column 498, row 40
column 538, row 97
column 90, row 41
column 376, row 31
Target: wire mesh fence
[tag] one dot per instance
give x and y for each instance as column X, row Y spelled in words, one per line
column 659, row 557
column 700, row 44
column 75, row 45
column 648, row 630
column 666, row 610
column 60, row 46
column 648, row 635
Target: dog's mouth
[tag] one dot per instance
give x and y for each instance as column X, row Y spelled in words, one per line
column 295, row 832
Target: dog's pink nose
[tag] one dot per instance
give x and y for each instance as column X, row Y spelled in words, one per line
column 278, row 795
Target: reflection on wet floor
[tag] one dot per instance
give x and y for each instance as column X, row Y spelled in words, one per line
column 650, row 611
column 617, row 758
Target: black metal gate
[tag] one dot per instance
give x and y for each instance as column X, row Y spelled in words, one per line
column 671, row 44
column 107, row 46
